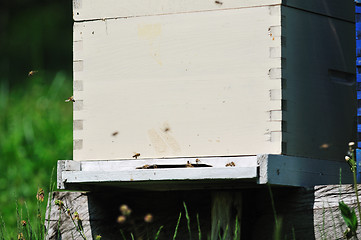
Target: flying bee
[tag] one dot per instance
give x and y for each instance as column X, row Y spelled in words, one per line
column 136, row 155
column 218, row 2
column 32, row 73
column 115, row 133
column 325, row 146
column 70, row 99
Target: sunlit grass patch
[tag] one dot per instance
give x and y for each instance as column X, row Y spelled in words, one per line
column 35, row 131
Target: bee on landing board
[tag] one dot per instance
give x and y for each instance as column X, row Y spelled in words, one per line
column 146, row 166
column 189, row 165
column 231, row 164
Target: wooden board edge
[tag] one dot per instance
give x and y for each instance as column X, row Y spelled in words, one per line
column 301, row 172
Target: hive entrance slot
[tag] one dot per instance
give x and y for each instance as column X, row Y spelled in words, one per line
column 187, row 165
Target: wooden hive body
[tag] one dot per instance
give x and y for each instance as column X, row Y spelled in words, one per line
column 171, row 79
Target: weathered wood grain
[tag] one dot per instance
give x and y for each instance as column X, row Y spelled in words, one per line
column 59, row 223
column 310, row 213
column 328, row 220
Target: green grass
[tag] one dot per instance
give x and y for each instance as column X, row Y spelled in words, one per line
column 35, row 132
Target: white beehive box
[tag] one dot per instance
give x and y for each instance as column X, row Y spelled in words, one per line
column 170, row 79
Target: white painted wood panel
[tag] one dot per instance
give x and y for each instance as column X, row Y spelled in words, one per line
column 131, row 164
column 98, row 177
column 184, row 85
column 95, row 9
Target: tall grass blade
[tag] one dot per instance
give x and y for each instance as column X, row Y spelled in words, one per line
column 58, row 227
column 157, row 234
column 278, row 230
column 122, row 233
column 294, row 234
column 323, row 222
column 2, row 237
column 225, row 234
column 320, row 231
column 272, row 202
column 236, row 230
column 3, row 228
column 219, row 230
column 356, row 192
column 176, row 227
column 18, row 216
column 188, row 220
column 39, row 221
column 199, row 228
column 51, row 188
column 333, row 220
column 339, row 189
column 28, row 224
column 2, row 232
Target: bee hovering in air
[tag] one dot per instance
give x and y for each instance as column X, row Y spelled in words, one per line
column 70, row 99
column 136, row 155
column 32, row 73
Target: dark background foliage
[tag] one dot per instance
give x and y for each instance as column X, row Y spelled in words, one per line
column 35, row 122
column 34, row 34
